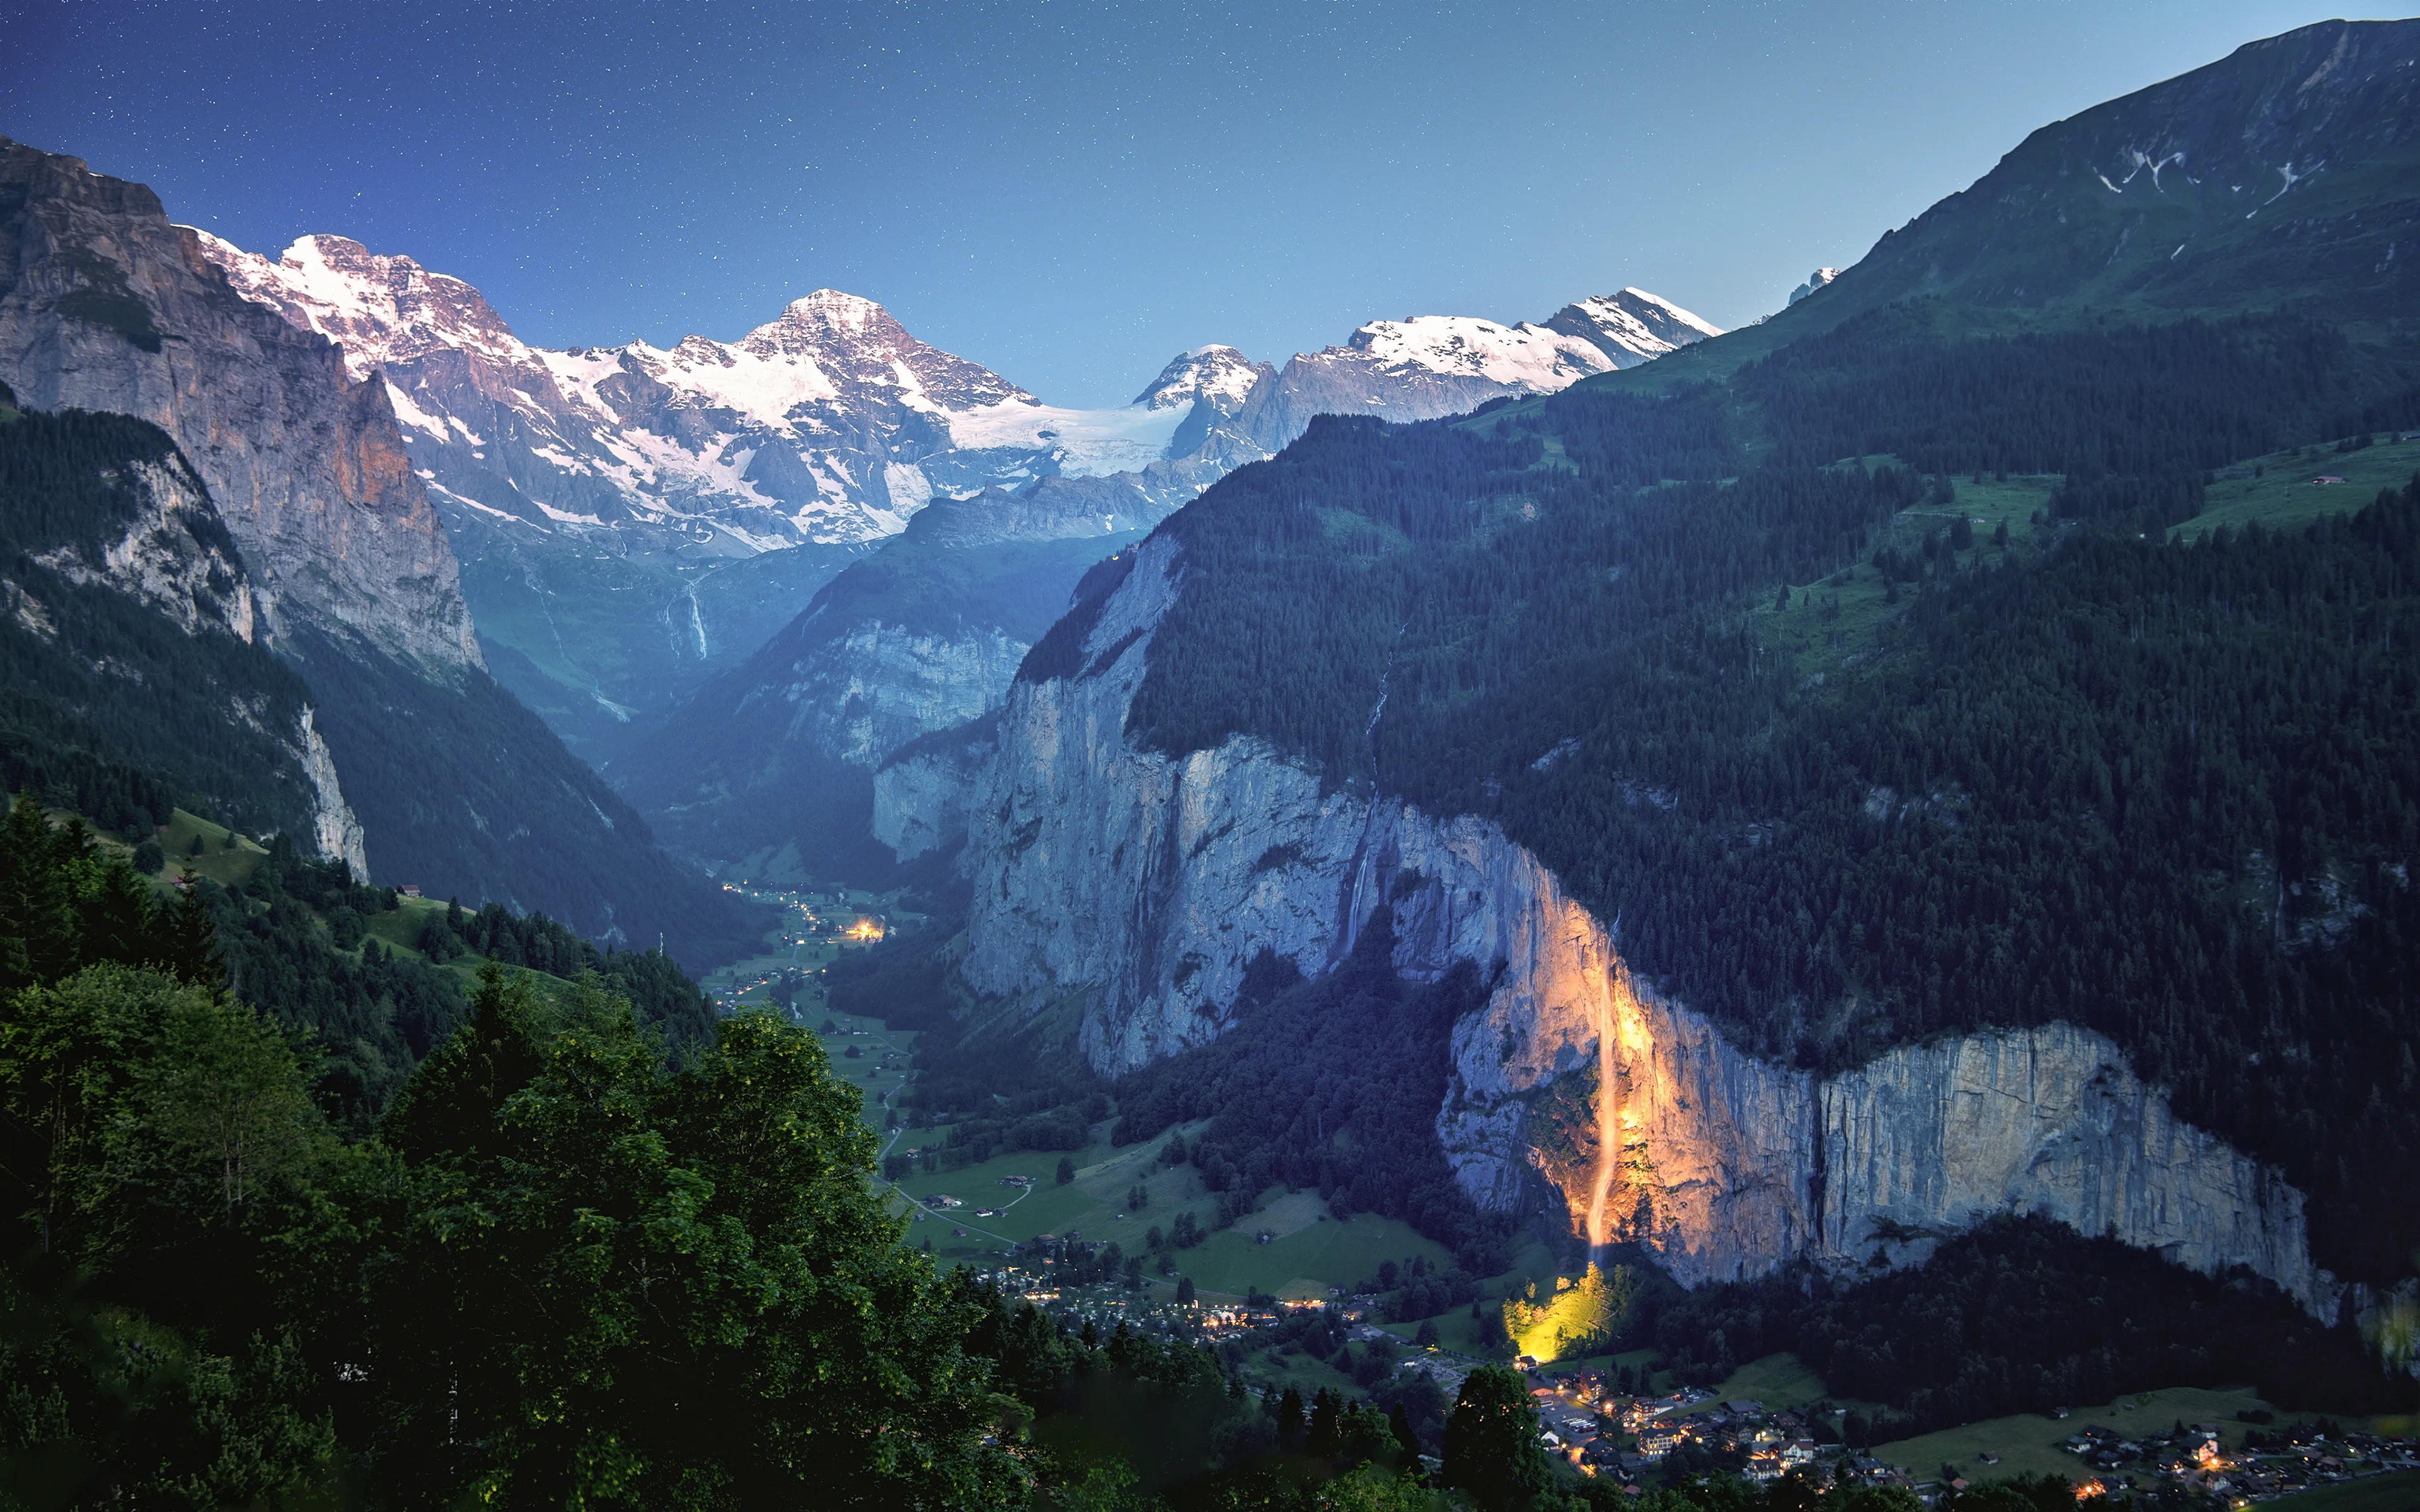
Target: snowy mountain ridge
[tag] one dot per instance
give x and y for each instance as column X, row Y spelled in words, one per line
column 1221, row 374
column 632, row 518
column 1426, row 366
column 1524, row 356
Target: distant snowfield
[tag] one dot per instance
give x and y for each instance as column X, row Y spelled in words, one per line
column 1091, row 443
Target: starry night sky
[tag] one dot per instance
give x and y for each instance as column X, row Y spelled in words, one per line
column 1071, row 192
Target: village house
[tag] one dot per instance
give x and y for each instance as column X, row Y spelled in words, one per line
column 1660, row 1438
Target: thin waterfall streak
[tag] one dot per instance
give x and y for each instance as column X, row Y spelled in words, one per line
column 1607, row 1126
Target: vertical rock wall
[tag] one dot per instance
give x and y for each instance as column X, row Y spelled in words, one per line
column 334, row 829
column 1129, row 890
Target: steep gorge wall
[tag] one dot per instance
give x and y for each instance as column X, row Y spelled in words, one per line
column 1130, row 890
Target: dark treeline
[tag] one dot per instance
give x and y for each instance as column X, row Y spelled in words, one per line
column 1622, row 441
column 564, row 1270
column 108, row 706
column 2020, row 1315
column 1123, row 1417
column 1332, row 1083
column 650, row 980
column 291, row 940
column 2155, row 399
column 67, row 901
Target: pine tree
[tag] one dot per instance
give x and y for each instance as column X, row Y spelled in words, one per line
column 1491, row 1442
column 190, row 942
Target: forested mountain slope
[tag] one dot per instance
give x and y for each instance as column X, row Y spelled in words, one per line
column 2164, row 791
column 1807, row 754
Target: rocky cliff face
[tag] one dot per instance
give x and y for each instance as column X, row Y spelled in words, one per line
column 334, row 831
column 174, row 557
column 1126, row 893
column 172, row 554
column 106, row 305
column 208, row 706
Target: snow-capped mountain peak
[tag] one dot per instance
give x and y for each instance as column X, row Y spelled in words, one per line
column 1631, row 327
column 645, row 470
column 382, row 310
column 1425, row 367
column 834, row 308
column 1219, row 373
column 1815, row 280
column 1524, row 356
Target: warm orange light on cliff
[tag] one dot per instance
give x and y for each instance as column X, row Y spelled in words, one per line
column 1623, row 1040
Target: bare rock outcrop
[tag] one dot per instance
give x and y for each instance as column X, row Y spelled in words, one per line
column 106, row 305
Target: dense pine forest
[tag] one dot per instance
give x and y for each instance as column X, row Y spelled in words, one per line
column 2184, row 395
column 2017, row 1315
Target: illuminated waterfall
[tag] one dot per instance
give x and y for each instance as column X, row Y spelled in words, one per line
column 1621, row 1035
column 1608, row 1145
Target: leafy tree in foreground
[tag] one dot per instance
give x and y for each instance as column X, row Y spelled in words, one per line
column 1491, row 1442
column 152, row 1135
column 620, row 1284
